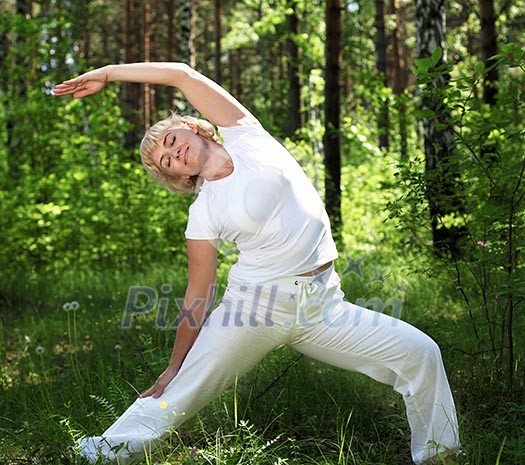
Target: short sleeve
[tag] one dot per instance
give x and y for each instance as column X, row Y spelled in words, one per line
column 200, row 224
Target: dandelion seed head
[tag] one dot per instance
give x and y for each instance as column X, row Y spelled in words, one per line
column 117, row 347
column 40, row 350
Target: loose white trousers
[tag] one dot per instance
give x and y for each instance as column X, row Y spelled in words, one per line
column 309, row 315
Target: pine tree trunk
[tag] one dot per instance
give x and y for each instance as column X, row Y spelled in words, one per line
column 400, row 79
column 217, row 33
column 294, row 86
column 170, row 46
column 147, row 50
column 332, row 155
column 131, row 91
column 381, row 64
column 489, row 48
column 187, row 39
column 18, row 78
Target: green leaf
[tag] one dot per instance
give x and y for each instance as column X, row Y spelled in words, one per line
column 423, row 64
column 480, row 67
column 437, row 54
column 426, row 113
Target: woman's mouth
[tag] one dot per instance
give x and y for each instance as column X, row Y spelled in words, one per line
column 186, row 155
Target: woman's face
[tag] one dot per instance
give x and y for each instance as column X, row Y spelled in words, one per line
column 181, row 152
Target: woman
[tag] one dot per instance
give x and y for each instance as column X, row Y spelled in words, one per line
column 282, row 290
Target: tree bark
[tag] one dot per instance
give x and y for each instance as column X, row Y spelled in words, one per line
column 332, row 155
column 489, row 48
column 400, row 78
column 147, row 50
column 131, row 91
column 443, row 184
column 170, row 46
column 217, row 34
column 294, row 81
column 381, row 65
column 187, row 39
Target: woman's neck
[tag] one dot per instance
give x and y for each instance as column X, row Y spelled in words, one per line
column 219, row 164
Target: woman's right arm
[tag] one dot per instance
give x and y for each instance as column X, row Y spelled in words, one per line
column 207, row 97
column 202, row 268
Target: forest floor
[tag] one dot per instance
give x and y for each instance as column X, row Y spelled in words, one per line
column 68, row 369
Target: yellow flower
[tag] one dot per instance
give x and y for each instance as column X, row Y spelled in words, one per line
column 163, row 404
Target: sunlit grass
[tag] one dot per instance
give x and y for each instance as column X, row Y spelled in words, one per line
column 68, row 369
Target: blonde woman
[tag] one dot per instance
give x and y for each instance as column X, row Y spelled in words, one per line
column 282, row 291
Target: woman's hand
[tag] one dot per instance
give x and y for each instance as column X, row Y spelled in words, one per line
column 83, row 85
column 163, row 380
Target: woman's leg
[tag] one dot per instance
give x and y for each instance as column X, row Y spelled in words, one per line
column 388, row 350
column 227, row 346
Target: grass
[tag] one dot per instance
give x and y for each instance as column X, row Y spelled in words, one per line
column 70, row 370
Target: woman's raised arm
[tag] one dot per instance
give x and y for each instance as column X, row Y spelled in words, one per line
column 207, row 97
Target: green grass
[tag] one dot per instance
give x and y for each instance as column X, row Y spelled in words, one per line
column 70, row 372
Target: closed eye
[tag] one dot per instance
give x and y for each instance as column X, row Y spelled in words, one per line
column 173, row 140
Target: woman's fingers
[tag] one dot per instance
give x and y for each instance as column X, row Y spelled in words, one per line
column 66, row 89
column 149, row 392
column 155, row 391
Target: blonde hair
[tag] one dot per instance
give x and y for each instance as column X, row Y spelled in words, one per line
column 150, row 144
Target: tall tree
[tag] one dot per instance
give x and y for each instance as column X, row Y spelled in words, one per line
column 187, row 36
column 399, row 77
column 217, row 35
column 294, row 80
column 20, row 68
column 147, row 50
column 332, row 109
column 489, row 48
column 170, row 42
column 443, row 189
column 131, row 91
column 381, row 65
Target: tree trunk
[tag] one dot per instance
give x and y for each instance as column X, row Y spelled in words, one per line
column 170, row 46
column 443, row 185
column 400, row 79
column 235, row 58
column 489, row 48
column 293, row 69
column 147, row 90
column 18, row 77
column 187, row 39
column 381, row 64
column 131, row 91
column 217, row 33
column 187, row 26
column 332, row 155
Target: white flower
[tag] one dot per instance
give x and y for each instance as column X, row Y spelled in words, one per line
column 68, row 306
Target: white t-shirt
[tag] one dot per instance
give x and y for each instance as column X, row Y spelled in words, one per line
column 267, row 207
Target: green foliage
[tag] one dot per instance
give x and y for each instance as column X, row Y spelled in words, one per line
column 62, row 161
column 488, row 271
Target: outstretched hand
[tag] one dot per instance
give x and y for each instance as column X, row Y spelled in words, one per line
column 83, row 85
column 163, row 380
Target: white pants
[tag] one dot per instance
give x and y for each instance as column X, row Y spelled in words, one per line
column 309, row 315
